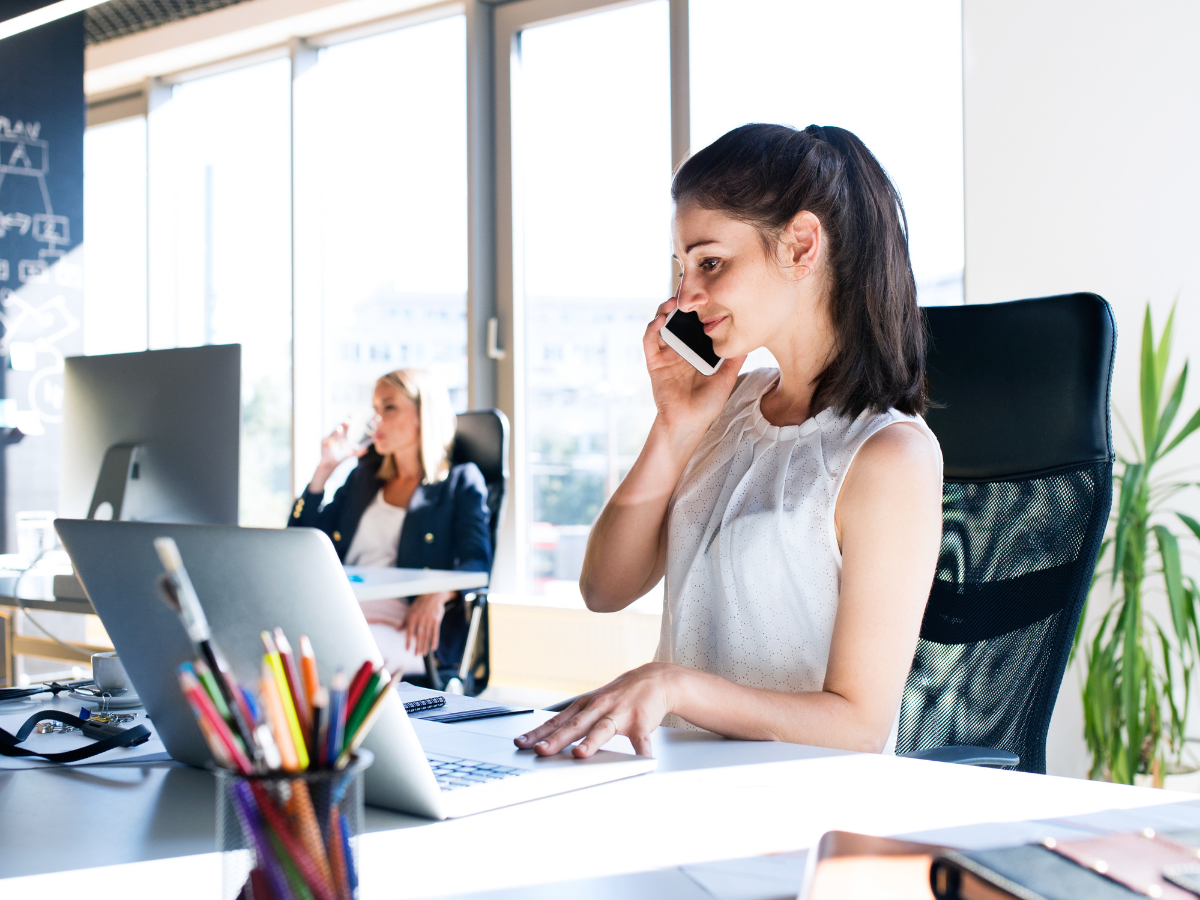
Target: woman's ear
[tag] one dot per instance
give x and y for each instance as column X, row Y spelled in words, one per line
column 801, row 243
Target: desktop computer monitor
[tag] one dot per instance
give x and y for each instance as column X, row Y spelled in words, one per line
column 152, row 437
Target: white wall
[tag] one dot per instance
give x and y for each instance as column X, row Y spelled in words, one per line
column 1082, row 145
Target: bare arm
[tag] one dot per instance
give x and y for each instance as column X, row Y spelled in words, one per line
column 888, row 518
column 626, row 549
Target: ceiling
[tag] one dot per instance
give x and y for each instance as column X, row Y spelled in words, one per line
column 118, row 18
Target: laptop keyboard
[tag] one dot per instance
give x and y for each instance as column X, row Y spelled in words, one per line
column 453, row 773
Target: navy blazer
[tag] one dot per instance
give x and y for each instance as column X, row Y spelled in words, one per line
column 446, row 528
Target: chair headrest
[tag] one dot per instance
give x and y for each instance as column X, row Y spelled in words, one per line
column 482, row 438
column 1021, row 387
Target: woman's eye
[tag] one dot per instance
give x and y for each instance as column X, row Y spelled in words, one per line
column 709, row 264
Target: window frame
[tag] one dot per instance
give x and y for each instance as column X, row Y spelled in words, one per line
column 510, row 570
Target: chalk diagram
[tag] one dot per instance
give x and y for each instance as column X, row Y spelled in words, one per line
column 33, row 327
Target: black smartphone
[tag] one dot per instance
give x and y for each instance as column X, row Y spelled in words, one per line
column 684, row 333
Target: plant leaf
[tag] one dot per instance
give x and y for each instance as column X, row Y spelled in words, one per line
column 1149, row 386
column 1192, row 424
column 1191, row 524
column 1132, row 677
column 1168, row 551
column 1164, row 352
column 1130, row 479
column 1169, row 411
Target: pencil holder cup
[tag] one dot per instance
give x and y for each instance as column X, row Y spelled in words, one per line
column 289, row 836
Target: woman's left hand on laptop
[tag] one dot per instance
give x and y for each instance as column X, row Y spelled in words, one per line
column 633, row 705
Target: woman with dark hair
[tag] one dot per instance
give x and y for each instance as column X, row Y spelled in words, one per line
column 794, row 512
column 405, row 505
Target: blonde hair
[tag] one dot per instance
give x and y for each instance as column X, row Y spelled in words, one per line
column 437, row 420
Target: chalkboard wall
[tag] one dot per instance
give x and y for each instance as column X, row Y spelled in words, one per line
column 42, row 117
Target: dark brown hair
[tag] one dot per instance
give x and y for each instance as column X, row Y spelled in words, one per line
column 764, row 175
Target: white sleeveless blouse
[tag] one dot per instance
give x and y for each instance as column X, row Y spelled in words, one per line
column 753, row 570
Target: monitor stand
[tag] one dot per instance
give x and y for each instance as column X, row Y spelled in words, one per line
column 120, row 467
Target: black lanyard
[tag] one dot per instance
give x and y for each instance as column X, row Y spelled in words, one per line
column 106, row 735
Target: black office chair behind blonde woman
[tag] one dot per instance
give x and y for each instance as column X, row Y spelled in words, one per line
column 481, row 438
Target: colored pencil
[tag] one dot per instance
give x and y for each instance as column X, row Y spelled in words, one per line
column 220, row 756
column 295, row 880
column 271, row 657
column 358, row 711
column 270, row 750
column 337, row 857
column 320, row 709
column 351, row 874
column 337, row 719
column 291, row 669
column 308, row 669
column 354, row 739
column 245, row 808
column 275, row 717
column 357, row 683
column 251, row 707
column 195, row 693
column 303, row 818
column 295, row 849
column 204, row 673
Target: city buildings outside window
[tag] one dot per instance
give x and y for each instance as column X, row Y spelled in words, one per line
column 595, row 156
column 221, row 258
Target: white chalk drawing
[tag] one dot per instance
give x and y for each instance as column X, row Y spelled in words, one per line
column 32, row 328
column 51, row 321
column 18, row 222
column 33, row 270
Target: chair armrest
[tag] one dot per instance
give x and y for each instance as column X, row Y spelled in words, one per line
column 478, row 600
column 966, row 756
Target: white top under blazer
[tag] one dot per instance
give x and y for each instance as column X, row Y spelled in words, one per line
column 754, row 570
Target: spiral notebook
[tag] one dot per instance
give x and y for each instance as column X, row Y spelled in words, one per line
column 454, row 708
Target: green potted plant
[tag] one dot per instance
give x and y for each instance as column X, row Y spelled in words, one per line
column 1138, row 681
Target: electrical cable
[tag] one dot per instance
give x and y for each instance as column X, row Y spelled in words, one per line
column 16, row 590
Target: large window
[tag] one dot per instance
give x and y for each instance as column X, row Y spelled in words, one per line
column 594, row 147
column 388, row 198
column 890, row 72
column 315, row 210
column 225, row 146
column 114, row 221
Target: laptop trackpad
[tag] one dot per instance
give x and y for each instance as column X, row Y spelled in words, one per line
column 489, row 748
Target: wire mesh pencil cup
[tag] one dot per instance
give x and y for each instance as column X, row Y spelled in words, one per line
column 291, row 836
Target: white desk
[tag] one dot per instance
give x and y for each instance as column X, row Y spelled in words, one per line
column 152, row 826
column 372, row 583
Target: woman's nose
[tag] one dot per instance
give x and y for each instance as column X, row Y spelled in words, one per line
column 689, row 299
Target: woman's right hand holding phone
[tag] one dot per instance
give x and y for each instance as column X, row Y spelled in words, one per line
column 626, row 551
column 687, row 401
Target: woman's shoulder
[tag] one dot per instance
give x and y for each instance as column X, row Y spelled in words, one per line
column 895, row 442
column 466, row 475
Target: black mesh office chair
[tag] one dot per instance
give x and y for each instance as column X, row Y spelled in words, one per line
column 1021, row 394
column 481, row 438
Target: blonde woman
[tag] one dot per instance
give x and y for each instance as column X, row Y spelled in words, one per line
column 405, row 505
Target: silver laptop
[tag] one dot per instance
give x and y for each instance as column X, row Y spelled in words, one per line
column 251, row 579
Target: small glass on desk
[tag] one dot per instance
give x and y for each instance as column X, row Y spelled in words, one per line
column 286, row 836
column 35, row 534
